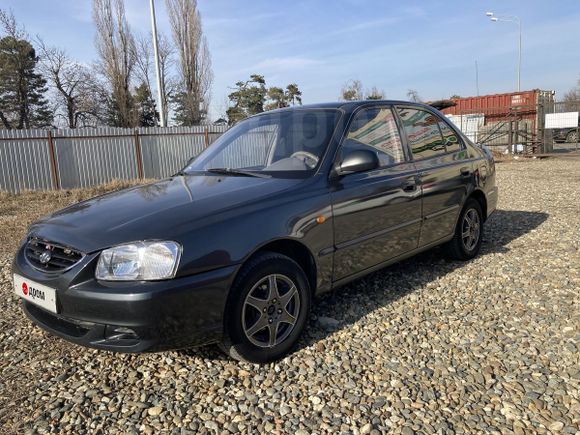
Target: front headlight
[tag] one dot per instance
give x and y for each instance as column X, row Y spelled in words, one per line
column 139, row 261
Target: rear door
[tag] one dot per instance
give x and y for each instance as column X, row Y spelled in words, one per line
column 377, row 214
column 445, row 170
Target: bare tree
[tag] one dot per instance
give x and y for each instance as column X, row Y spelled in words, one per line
column 222, row 109
column 144, row 61
column 169, row 85
column 413, row 95
column 571, row 99
column 71, row 82
column 195, row 73
column 352, row 90
column 375, row 94
column 144, row 66
column 10, row 26
column 116, row 49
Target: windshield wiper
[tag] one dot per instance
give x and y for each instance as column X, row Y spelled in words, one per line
column 230, row 171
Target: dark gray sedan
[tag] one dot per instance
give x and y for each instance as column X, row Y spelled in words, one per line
column 284, row 206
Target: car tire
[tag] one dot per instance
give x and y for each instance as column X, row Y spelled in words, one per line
column 267, row 309
column 466, row 241
column 572, row 137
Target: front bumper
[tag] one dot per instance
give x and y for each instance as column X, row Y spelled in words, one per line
column 131, row 316
column 491, row 199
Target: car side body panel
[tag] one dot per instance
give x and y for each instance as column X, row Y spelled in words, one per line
column 445, row 184
column 303, row 216
column 377, row 216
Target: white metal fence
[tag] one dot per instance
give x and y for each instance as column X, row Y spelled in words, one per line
column 54, row 159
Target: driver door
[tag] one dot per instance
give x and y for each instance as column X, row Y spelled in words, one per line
column 377, row 214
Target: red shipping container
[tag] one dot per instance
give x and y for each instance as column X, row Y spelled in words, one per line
column 526, row 105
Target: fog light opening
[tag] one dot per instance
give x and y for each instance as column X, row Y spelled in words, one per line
column 120, row 333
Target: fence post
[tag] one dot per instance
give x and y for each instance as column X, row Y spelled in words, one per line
column 206, row 135
column 538, row 127
column 138, row 154
column 53, row 166
column 510, row 137
column 528, row 145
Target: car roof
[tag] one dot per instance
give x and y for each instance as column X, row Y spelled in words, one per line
column 350, row 105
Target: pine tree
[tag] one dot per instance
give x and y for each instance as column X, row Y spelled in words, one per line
column 22, row 89
column 277, row 97
column 280, row 98
column 188, row 110
column 252, row 97
column 146, row 115
column 293, row 94
column 114, row 113
column 248, row 99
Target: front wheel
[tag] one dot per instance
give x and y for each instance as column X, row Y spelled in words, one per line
column 267, row 309
column 466, row 241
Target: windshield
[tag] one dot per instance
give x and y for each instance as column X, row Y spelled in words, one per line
column 277, row 144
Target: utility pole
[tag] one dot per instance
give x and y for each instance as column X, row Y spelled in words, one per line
column 519, row 55
column 476, row 79
column 157, row 68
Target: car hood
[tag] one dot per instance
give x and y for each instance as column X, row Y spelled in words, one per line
column 162, row 210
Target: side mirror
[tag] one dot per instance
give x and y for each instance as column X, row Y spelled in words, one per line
column 358, row 161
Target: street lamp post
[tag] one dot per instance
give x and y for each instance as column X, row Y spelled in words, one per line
column 157, row 68
column 512, row 19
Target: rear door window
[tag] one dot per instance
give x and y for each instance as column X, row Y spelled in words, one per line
column 450, row 138
column 423, row 134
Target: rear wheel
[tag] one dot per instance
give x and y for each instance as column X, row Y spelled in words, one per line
column 466, row 241
column 267, row 309
column 572, row 137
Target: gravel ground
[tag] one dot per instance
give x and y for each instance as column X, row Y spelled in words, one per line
column 425, row 346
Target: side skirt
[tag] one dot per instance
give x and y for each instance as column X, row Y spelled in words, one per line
column 393, row 260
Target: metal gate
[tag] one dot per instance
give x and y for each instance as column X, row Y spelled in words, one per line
column 565, row 139
column 517, row 130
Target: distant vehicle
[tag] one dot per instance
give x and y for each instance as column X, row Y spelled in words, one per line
column 568, row 135
column 284, row 206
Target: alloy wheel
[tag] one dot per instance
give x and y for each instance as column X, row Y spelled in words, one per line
column 470, row 229
column 270, row 310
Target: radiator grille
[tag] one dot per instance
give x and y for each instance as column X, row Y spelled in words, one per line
column 51, row 257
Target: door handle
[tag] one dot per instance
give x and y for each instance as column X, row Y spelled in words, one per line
column 465, row 171
column 409, row 186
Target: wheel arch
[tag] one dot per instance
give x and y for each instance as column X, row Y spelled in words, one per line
column 479, row 196
column 295, row 250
